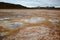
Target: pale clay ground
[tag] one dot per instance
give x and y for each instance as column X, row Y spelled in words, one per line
column 31, row 24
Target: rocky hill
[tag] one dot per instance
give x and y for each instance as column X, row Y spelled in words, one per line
column 4, row 5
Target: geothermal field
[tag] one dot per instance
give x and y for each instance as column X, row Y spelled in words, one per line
column 29, row 24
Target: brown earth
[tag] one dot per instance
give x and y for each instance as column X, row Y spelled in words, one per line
column 47, row 26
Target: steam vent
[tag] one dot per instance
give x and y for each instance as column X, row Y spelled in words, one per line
column 29, row 24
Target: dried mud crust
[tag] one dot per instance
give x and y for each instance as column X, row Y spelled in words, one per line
column 38, row 26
